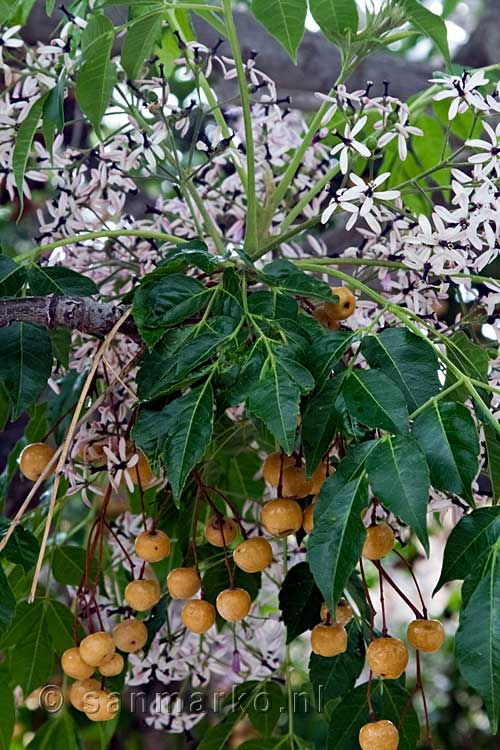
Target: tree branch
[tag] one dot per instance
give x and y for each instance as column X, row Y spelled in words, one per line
column 82, row 314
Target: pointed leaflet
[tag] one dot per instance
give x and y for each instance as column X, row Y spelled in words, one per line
column 407, row 360
column 189, row 425
column 44, row 280
column 7, row 603
column 399, row 477
column 139, row 43
column 25, row 365
column 471, row 359
column 332, row 677
column 375, row 401
column 275, row 397
column 493, row 448
column 22, row 548
column 477, row 644
column 300, row 601
column 97, row 77
column 58, row 733
column 319, row 422
column 283, row 19
column 326, row 351
column 337, row 538
column 12, row 276
column 428, row 23
column 449, row 439
column 470, row 538
column 284, row 275
column 335, row 17
column 23, row 143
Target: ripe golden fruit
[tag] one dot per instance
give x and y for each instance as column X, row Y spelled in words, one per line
column 344, row 613
column 295, row 482
column 142, row 595
column 33, row 460
column 253, row 555
column 113, row 667
column 379, row 735
column 79, row 691
column 324, row 319
column 271, row 468
column 282, row 516
column 220, row 531
column 97, row 648
column 141, row 473
column 319, row 477
column 344, row 308
column 183, row 583
column 198, row 615
column 101, row 705
column 329, row 640
column 233, row 604
column 379, row 542
column 387, row 657
column 426, row 635
column 74, row 666
column 152, row 546
column 130, row 635
column 308, row 518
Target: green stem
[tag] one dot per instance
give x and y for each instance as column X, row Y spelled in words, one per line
column 251, row 223
column 99, row 234
column 437, row 398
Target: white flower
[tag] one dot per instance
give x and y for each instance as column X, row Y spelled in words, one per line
column 462, row 91
column 401, row 131
column 349, row 144
column 490, row 150
column 366, row 193
column 119, row 464
column 7, row 40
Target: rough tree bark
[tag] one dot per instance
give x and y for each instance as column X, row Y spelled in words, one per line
column 75, row 313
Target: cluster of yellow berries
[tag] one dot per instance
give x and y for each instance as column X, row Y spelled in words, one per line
column 387, row 657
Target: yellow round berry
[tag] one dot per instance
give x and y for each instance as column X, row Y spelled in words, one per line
column 282, row 516
column 308, row 519
column 387, row 657
column 220, row 531
column 379, row 542
column 80, row 690
column 152, row 546
column 426, row 635
column 198, row 615
column 113, row 667
column 33, row 460
column 130, row 635
column 379, row 735
column 142, row 595
column 253, row 555
column 329, row 640
column 97, row 648
column 233, row 604
column 271, row 468
column 183, row 583
column 74, row 666
column 345, row 306
column 101, row 705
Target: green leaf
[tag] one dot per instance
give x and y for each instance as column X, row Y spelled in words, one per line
column 53, row 110
column 189, row 426
column 98, row 26
column 7, row 603
column 96, row 79
column 68, row 564
column 493, row 449
column 375, row 401
column 284, row 19
column 139, row 43
column 319, row 420
column 22, row 547
column 448, row 436
column 32, row 660
column 399, row 477
column 26, row 364
column 217, row 737
column 300, row 601
column 337, row 539
column 12, row 277
column 275, row 400
column 61, row 625
column 430, row 24
column 284, row 275
column 44, row 280
column 192, row 254
column 49, row 6
column 165, row 302
column 7, row 710
column 407, row 360
column 389, row 700
column 266, row 708
column 57, row 733
column 23, row 143
column 473, row 535
column 327, row 349
column 335, row 17
column 332, row 677
column 471, row 359
column 477, row 642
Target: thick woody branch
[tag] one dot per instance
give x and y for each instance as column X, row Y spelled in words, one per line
column 75, row 313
